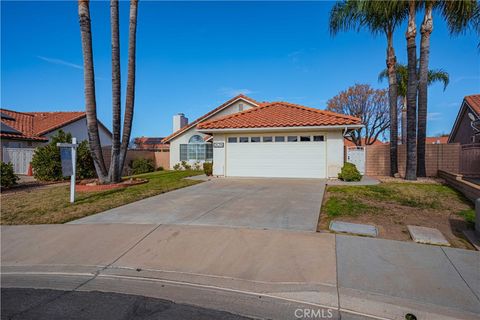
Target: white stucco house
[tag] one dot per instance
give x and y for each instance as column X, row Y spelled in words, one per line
column 246, row 138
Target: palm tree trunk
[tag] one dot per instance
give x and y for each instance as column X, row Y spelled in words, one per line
column 89, row 82
column 404, row 120
column 392, row 98
column 426, row 30
column 411, row 167
column 114, row 173
column 130, row 96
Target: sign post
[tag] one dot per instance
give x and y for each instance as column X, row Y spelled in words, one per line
column 68, row 156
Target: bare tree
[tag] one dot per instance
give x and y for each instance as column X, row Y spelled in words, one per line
column 370, row 105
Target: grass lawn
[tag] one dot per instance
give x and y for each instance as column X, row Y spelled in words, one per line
column 392, row 206
column 51, row 204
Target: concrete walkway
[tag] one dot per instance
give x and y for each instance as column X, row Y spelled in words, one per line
column 254, row 273
column 292, row 204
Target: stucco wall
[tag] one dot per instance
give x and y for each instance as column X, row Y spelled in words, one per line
column 78, row 129
column 219, row 155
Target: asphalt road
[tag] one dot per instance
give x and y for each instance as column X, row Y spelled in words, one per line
column 56, row 304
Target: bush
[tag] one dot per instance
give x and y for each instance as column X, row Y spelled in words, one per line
column 349, row 172
column 160, row 168
column 46, row 163
column 186, row 165
column 142, row 166
column 208, row 168
column 177, row 167
column 8, row 177
column 197, row 166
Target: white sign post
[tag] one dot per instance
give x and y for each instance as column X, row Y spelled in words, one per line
column 69, row 163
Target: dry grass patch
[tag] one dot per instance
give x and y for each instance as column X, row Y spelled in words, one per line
column 391, row 206
column 51, row 205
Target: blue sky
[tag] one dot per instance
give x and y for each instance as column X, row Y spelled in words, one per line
column 192, row 56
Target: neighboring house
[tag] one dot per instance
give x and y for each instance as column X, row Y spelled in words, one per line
column 150, row 143
column 464, row 130
column 349, row 143
column 31, row 129
column 246, row 138
column 22, row 131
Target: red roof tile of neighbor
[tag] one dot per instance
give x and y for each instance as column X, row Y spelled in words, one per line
column 474, row 102
column 436, row 140
column 211, row 113
column 349, row 143
column 32, row 125
column 280, row 114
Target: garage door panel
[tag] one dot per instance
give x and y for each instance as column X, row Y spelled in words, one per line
column 288, row 159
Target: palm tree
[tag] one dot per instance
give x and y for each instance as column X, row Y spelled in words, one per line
column 119, row 148
column 411, row 166
column 458, row 14
column 436, row 75
column 130, row 96
column 377, row 17
column 89, row 82
column 114, row 173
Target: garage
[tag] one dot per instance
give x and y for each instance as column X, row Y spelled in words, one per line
column 283, row 156
column 279, row 140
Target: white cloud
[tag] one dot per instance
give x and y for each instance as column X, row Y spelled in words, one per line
column 60, row 62
column 434, row 116
column 463, row 78
column 232, row 92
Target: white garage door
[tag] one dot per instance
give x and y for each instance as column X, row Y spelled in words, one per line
column 295, row 159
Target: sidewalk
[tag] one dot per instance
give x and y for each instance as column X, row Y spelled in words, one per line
column 256, row 273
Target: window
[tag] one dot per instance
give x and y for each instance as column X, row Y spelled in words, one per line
column 279, row 139
column 267, row 139
column 305, row 138
column 240, row 107
column 196, row 151
column 196, row 139
column 318, row 138
column 255, row 139
column 232, row 140
column 292, row 139
column 243, row 139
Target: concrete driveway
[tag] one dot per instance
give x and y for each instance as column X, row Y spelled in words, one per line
column 292, row 204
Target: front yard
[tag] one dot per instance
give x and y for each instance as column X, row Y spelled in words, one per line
column 391, row 206
column 51, row 204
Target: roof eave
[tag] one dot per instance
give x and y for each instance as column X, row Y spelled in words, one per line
column 273, row 129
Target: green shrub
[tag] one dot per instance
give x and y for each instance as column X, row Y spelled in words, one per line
column 197, row 166
column 46, row 163
column 349, row 172
column 142, row 166
column 186, row 165
column 160, row 168
column 208, row 168
column 177, row 167
column 8, row 177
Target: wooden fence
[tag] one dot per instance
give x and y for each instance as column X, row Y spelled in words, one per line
column 438, row 157
column 470, row 160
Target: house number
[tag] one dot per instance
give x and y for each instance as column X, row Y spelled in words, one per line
column 218, row 144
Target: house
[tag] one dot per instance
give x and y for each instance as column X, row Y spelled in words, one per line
column 466, row 129
column 21, row 132
column 31, row 129
column 247, row 138
column 150, row 143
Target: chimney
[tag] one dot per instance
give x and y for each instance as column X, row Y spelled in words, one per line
column 179, row 121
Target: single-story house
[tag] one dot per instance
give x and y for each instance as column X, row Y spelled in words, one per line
column 246, row 138
column 150, row 143
column 466, row 128
column 32, row 129
column 21, row 132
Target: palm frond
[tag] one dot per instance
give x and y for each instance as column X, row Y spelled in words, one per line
column 438, row 75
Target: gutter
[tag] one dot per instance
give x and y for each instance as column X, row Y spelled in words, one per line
column 271, row 129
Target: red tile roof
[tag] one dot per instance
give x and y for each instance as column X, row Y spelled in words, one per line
column 209, row 114
column 436, row 140
column 33, row 125
column 474, row 102
column 150, row 143
column 280, row 114
column 349, row 143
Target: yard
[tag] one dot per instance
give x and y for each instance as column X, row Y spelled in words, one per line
column 391, row 206
column 51, row 204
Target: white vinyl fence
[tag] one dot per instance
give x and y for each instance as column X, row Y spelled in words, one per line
column 19, row 157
